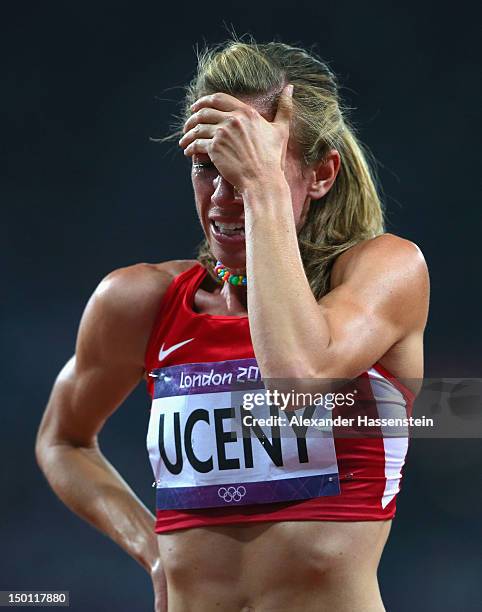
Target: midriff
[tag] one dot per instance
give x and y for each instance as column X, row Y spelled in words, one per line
column 277, row 567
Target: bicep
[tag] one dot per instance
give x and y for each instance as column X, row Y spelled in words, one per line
column 360, row 334
column 107, row 366
column 83, row 399
column 381, row 299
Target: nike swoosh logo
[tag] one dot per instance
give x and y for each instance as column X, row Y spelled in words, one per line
column 164, row 353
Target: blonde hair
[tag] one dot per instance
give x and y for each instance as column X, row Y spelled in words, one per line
column 351, row 211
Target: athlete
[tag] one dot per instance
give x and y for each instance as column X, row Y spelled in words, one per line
column 296, row 279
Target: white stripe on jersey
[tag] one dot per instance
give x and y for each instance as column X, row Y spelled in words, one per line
column 390, row 403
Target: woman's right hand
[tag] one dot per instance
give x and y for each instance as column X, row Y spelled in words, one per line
column 159, row 584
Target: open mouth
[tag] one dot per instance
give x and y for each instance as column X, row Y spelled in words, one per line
column 225, row 230
column 229, row 229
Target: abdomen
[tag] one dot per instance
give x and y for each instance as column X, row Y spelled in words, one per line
column 278, row 566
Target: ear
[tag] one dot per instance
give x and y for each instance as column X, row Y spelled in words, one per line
column 324, row 174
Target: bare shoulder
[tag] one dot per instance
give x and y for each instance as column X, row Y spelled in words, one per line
column 387, row 270
column 121, row 312
column 140, row 286
column 386, row 253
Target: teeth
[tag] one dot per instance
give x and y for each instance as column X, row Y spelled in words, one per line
column 229, row 226
column 230, row 229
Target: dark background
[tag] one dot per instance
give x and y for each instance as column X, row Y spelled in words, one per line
column 84, row 191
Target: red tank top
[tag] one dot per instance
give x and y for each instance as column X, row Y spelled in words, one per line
column 369, row 468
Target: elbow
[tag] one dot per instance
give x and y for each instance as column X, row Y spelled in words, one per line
column 39, row 446
column 297, row 367
column 47, row 445
column 315, row 362
column 333, row 361
column 294, row 369
column 43, row 440
column 41, row 449
column 322, row 372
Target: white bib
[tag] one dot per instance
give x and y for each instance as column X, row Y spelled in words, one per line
column 206, row 449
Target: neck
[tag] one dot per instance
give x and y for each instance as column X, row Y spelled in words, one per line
column 236, row 298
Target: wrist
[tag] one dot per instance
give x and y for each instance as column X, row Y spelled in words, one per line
column 267, row 200
column 147, row 549
column 155, row 567
column 266, row 188
column 151, row 559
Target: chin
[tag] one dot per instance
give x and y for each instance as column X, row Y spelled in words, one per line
column 235, row 261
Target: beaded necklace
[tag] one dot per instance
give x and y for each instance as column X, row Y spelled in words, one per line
column 225, row 275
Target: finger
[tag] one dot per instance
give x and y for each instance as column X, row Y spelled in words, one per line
column 285, row 106
column 199, row 146
column 200, row 130
column 220, row 101
column 204, row 115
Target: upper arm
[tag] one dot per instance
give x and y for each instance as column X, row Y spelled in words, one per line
column 109, row 358
column 381, row 296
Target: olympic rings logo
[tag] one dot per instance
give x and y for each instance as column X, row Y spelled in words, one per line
column 230, row 494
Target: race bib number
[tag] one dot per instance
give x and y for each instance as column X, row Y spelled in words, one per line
column 208, row 449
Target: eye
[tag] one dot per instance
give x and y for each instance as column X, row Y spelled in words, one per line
column 203, row 165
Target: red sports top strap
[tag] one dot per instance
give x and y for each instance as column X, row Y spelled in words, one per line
column 180, row 287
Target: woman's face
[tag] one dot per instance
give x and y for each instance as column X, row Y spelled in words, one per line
column 218, row 203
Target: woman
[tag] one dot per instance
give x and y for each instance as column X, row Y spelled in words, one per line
column 296, row 279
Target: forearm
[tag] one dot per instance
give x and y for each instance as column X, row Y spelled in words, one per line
column 90, row 486
column 288, row 330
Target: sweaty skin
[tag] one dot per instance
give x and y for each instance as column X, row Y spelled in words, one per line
column 271, row 566
column 377, row 307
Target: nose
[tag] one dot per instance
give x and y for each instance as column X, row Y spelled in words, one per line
column 224, row 192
